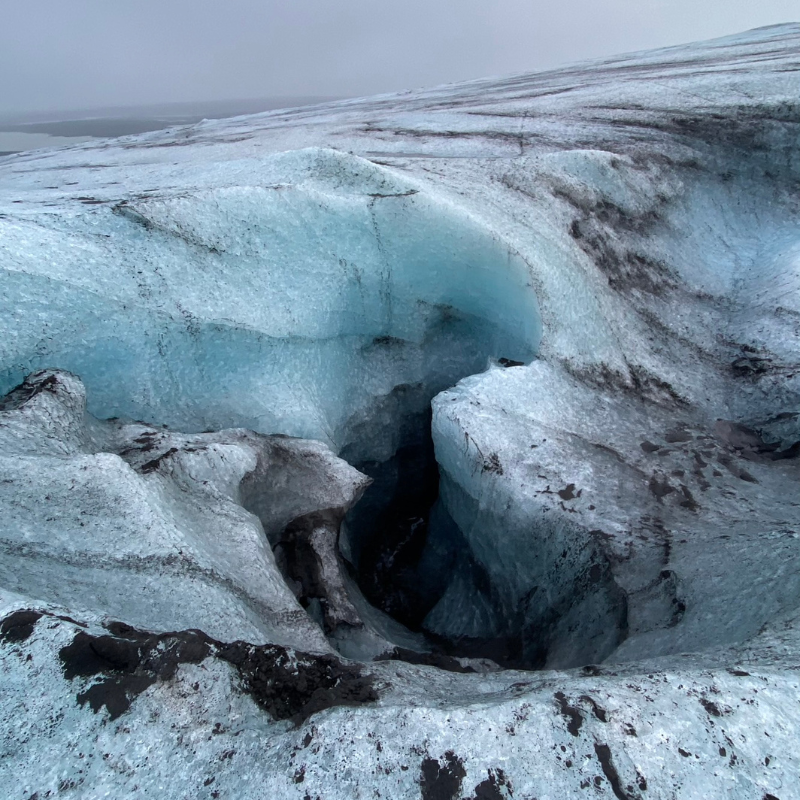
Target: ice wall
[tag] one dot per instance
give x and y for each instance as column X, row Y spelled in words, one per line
column 613, row 506
column 288, row 307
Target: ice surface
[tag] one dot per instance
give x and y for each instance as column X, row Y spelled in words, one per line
column 146, row 526
column 627, row 229
column 284, row 308
column 678, row 731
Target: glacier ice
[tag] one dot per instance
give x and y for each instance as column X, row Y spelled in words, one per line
column 286, row 307
column 553, row 317
column 153, row 529
column 333, row 304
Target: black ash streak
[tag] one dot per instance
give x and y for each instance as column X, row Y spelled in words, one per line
column 603, row 752
column 573, row 715
column 288, row 684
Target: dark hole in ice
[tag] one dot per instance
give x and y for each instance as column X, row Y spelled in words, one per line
column 410, row 560
column 399, row 543
column 390, row 528
column 403, row 549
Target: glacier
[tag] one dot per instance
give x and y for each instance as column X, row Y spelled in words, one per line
column 437, row 445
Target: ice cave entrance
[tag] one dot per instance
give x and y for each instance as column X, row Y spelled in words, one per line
column 332, row 307
column 425, row 296
column 451, row 300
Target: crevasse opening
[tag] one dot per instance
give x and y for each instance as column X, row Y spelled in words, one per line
column 332, row 307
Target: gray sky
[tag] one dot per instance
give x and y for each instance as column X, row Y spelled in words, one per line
column 62, row 54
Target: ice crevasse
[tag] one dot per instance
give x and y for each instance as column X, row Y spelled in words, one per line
column 317, row 294
column 332, row 301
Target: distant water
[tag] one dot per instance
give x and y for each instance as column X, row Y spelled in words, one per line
column 53, row 129
column 17, row 141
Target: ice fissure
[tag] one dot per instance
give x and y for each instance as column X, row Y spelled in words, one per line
column 409, row 295
column 375, row 298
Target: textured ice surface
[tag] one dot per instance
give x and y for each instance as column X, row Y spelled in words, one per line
column 629, row 231
column 147, row 526
column 284, row 305
column 679, row 730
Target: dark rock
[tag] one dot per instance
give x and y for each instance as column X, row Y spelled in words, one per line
column 442, row 781
column 18, row 625
column 288, row 684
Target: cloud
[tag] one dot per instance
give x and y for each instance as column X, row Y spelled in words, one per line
column 95, row 53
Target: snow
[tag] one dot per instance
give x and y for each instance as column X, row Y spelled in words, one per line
column 627, row 229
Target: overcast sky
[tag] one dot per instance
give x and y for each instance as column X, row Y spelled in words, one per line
column 62, row 54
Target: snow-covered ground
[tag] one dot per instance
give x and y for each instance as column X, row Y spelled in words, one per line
column 593, row 274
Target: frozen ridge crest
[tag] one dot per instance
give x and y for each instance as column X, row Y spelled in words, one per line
column 441, row 445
